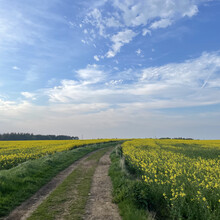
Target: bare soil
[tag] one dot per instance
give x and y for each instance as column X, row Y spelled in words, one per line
column 99, row 205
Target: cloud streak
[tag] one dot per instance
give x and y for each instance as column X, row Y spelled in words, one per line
column 101, row 105
column 119, row 40
column 49, row 79
column 155, row 87
column 129, row 15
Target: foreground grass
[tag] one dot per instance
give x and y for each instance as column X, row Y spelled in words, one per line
column 69, row 199
column 19, row 183
column 125, row 188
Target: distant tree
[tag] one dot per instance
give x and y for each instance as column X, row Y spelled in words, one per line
column 181, row 138
column 27, row 136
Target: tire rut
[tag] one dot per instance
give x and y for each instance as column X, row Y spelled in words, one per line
column 99, row 205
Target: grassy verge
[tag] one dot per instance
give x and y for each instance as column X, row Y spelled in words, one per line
column 19, row 183
column 125, row 190
column 69, row 199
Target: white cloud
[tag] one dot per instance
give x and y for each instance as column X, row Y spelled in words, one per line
column 95, row 18
column 136, row 13
column 80, row 90
column 114, row 82
column 191, row 73
column 130, row 14
column 112, row 22
column 119, row 39
column 163, row 23
column 98, row 120
column 29, row 95
column 15, row 68
column 91, row 74
column 83, row 41
column 9, row 110
column 138, row 51
column 145, row 31
column 80, row 106
column 190, row 83
column 96, row 58
column 193, row 10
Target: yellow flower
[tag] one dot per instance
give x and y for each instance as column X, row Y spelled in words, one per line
column 182, row 194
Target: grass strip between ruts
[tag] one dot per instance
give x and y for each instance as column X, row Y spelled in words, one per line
column 19, row 183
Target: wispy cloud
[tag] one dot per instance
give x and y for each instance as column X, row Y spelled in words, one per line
column 96, row 58
column 135, row 13
column 157, row 87
column 163, row 23
column 49, row 80
column 29, row 95
column 119, row 39
column 128, row 15
column 145, row 31
column 91, row 74
column 138, row 51
column 15, row 68
column 96, row 96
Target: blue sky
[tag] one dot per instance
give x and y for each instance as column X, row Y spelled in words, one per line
column 110, row 68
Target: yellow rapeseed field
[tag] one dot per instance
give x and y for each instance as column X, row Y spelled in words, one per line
column 183, row 174
column 14, row 152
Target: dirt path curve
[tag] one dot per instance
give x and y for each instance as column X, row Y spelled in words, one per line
column 25, row 210
column 99, row 205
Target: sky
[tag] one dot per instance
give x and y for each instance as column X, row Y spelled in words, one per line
column 110, row 68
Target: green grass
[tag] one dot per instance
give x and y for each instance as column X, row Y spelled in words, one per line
column 19, row 183
column 69, row 199
column 124, row 190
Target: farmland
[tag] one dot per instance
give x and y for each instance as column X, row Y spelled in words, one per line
column 36, row 163
column 178, row 179
column 13, row 153
column 152, row 178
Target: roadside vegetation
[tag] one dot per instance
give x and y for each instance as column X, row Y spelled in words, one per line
column 19, row 183
column 126, row 189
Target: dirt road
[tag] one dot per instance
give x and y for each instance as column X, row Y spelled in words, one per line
column 25, row 210
column 90, row 170
column 99, row 205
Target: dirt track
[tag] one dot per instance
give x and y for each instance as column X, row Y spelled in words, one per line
column 99, row 205
column 23, row 211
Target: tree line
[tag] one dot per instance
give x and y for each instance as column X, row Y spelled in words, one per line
column 28, row 136
column 178, row 138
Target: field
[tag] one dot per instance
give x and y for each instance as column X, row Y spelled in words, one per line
column 152, row 178
column 31, row 164
column 180, row 179
column 13, row 153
